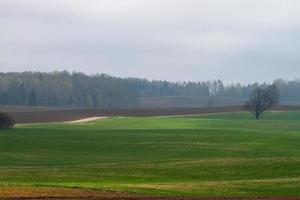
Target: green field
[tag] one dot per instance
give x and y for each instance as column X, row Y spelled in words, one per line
column 208, row 155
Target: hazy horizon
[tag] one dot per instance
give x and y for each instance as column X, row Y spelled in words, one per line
column 174, row 40
column 171, row 81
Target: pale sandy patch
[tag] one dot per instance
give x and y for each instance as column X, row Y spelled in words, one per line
column 89, row 119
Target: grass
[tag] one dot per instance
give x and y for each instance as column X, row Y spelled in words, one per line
column 208, row 155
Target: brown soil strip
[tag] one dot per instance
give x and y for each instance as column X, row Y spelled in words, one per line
column 57, row 193
column 54, row 193
column 64, row 115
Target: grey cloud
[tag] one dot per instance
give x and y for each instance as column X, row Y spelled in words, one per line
column 173, row 39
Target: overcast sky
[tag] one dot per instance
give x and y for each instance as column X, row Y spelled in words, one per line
column 233, row 40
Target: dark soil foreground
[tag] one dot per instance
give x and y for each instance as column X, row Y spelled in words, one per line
column 27, row 116
column 50, row 193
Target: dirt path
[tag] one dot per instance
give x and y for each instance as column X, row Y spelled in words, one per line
column 88, row 119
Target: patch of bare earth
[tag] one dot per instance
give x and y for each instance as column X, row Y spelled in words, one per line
column 28, row 116
column 88, row 119
column 58, row 193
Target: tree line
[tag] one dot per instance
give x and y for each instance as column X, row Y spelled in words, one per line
column 64, row 89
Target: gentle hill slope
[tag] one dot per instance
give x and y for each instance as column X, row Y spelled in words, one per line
column 207, row 155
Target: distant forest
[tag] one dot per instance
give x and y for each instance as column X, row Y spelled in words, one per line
column 64, row 89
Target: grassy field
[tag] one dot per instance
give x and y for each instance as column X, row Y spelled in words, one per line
column 208, row 155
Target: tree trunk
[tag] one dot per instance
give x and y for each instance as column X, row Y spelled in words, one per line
column 257, row 116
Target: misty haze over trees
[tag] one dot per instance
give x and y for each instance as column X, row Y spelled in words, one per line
column 65, row 89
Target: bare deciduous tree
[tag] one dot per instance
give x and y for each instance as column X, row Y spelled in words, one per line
column 261, row 99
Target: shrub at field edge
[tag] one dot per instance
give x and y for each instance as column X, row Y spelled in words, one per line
column 6, row 121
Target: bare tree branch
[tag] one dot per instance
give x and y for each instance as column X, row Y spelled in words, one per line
column 261, row 99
